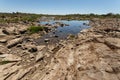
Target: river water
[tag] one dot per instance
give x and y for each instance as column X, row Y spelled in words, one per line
column 61, row 33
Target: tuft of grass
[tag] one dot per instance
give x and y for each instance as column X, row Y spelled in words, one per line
column 72, row 36
column 4, row 62
column 35, row 29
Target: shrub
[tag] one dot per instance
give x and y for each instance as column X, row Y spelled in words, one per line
column 35, row 29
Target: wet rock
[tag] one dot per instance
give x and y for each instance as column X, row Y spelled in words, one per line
column 64, row 25
column 14, row 42
column 84, row 31
column 46, row 29
column 56, row 36
column 47, row 24
column 46, row 40
column 53, row 32
column 85, row 24
column 60, row 24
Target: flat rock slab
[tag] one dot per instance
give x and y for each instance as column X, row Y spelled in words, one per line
column 10, row 57
column 14, row 42
column 1, row 33
column 3, row 40
column 115, row 42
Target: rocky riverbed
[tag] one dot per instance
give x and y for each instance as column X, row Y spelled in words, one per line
column 93, row 55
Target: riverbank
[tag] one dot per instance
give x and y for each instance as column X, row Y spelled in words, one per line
column 92, row 55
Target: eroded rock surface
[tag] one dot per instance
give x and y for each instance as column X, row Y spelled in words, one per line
column 93, row 55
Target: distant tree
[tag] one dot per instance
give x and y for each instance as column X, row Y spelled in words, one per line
column 92, row 14
column 109, row 14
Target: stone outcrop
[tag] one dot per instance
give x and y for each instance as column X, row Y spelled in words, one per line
column 14, row 42
column 93, row 55
column 1, row 33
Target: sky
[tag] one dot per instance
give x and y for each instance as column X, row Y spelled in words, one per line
column 61, row 6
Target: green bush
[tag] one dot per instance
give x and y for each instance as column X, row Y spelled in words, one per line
column 35, row 29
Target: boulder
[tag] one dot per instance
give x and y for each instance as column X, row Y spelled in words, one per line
column 33, row 49
column 56, row 36
column 39, row 56
column 46, row 40
column 3, row 40
column 9, row 30
column 22, row 30
column 3, row 50
column 1, row 33
column 14, row 42
column 5, row 32
column 57, row 24
column 113, row 42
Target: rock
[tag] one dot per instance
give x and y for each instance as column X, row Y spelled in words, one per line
column 10, row 57
column 113, row 42
column 8, row 70
column 22, row 30
column 6, row 32
column 46, row 40
column 14, row 42
column 1, row 33
column 40, row 47
column 85, row 24
column 39, row 56
column 3, row 40
column 94, row 55
column 21, row 74
column 3, row 50
column 33, row 49
column 57, row 24
column 56, row 36
column 109, row 70
column 10, row 30
column 84, row 31
column 62, row 25
column 31, row 56
column 46, row 29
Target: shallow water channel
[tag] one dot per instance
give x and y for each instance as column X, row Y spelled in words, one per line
column 61, row 33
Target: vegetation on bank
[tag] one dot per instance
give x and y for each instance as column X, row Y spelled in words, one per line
column 27, row 18
column 87, row 16
column 18, row 17
column 35, row 29
column 5, row 62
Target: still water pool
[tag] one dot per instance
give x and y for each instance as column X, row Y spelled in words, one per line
column 61, row 33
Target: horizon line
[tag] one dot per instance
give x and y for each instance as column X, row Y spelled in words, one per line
column 59, row 13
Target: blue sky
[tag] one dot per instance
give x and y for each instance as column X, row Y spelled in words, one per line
column 60, row 6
